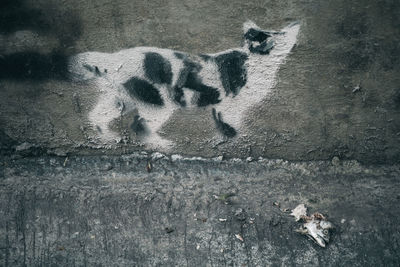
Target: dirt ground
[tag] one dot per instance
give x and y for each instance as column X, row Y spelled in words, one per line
column 110, row 210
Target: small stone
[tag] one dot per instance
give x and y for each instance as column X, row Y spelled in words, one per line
column 335, row 161
column 169, row 230
column 23, row 146
column 176, row 157
column 156, row 156
column 240, row 214
column 238, row 236
column 107, row 167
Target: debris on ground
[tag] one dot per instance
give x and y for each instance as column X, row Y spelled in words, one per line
column 356, row 88
column 299, row 211
column 149, row 166
column 169, row 230
column 335, row 161
column 119, row 67
column 157, row 155
column 238, row 236
column 316, row 227
column 224, row 197
column 65, row 162
column 240, row 214
column 24, row 146
column 107, row 167
column 203, row 219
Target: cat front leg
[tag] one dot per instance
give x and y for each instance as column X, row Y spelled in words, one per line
column 223, row 127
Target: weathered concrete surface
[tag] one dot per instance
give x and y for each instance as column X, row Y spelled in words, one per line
column 337, row 94
column 109, row 211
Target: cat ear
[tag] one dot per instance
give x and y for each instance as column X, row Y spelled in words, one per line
column 249, row 25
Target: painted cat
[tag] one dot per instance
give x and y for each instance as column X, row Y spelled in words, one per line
column 156, row 82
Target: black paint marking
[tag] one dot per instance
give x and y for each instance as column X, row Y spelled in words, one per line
column 263, row 49
column 144, row 91
column 138, row 125
column 259, row 42
column 180, row 55
column 178, row 96
column 97, row 71
column 205, row 57
column 33, row 66
column 88, row 67
column 157, row 68
column 255, row 35
column 232, row 70
column 189, row 66
column 208, row 95
column 223, row 127
column 188, row 77
column 193, row 81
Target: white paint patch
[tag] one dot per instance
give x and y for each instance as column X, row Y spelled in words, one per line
column 117, row 68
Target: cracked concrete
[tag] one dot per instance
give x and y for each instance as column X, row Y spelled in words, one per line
column 109, row 210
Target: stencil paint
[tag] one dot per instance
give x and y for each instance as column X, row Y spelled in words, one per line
column 156, row 82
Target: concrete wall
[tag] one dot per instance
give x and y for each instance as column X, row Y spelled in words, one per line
column 337, row 94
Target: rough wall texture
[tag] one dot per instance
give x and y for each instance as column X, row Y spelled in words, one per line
column 336, row 95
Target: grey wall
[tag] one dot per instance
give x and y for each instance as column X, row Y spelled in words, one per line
column 312, row 113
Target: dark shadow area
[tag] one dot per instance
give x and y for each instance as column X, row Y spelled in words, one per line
column 47, row 21
column 6, row 144
column 33, row 66
column 14, row 16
